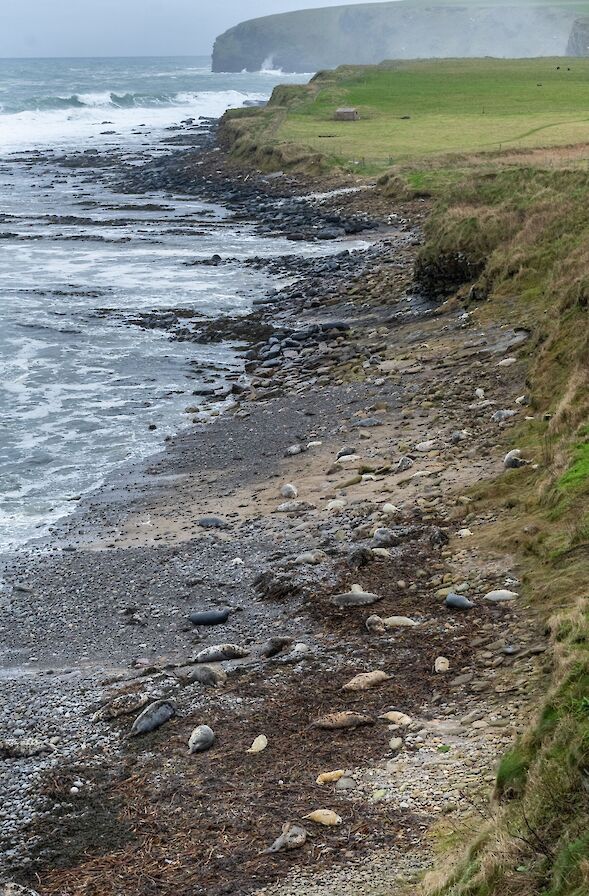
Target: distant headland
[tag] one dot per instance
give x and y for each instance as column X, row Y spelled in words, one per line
column 313, row 39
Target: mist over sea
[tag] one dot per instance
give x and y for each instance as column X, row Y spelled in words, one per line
column 82, row 388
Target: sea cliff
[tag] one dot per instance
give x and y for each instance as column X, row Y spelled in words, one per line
column 312, row 39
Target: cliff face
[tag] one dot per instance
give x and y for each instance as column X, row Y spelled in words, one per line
column 578, row 44
column 309, row 40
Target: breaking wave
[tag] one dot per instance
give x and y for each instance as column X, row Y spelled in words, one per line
column 78, row 117
column 108, row 100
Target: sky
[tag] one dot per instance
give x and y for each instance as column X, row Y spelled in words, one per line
column 127, row 27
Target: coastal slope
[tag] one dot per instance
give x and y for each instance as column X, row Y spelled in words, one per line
column 312, row 39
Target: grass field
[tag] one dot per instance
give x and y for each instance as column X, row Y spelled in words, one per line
column 412, row 110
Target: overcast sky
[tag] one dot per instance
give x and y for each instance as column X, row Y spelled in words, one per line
column 127, row 27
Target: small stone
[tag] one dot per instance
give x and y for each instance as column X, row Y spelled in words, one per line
column 346, row 784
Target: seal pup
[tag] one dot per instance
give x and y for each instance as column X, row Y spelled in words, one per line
column 275, row 645
column 219, row 652
column 259, row 744
column 24, row 747
column 123, row 705
column 366, row 680
column 153, row 716
column 210, row 617
column 501, row 595
column 345, row 719
column 206, row 675
column 458, row 602
column 375, row 625
column 325, row 817
column 354, row 599
column 201, row 739
column 293, row 837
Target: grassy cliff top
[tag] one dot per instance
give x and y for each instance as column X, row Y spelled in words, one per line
column 412, row 109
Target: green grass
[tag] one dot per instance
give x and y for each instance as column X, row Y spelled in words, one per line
column 454, row 106
column 577, row 476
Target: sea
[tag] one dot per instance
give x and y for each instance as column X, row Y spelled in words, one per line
column 83, row 389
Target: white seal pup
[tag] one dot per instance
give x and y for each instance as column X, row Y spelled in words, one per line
column 219, row 652
column 201, row 739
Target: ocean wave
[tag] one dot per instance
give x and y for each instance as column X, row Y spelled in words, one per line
column 69, row 120
column 108, row 100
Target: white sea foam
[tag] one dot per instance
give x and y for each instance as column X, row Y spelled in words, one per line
column 99, row 112
column 79, row 391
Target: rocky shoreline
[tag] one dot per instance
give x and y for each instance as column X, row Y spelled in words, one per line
column 330, row 509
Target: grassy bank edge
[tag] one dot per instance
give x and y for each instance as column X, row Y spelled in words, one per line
column 510, row 242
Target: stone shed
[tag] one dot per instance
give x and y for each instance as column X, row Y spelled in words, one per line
column 346, row 115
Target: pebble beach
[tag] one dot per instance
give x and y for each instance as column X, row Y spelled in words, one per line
column 316, row 516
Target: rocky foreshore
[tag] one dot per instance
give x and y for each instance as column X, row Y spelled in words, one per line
column 280, row 657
